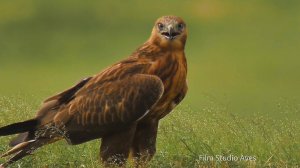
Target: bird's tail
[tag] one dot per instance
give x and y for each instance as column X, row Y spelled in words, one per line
column 20, row 149
column 32, row 136
column 20, row 127
column 23, row 149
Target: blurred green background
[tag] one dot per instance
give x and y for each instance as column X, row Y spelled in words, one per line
column 242, row 55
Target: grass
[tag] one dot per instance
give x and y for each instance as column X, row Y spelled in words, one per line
column 185, row 138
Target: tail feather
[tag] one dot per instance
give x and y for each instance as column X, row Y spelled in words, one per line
column 26, row 136
column 17, row 148
column 19, row 127
column 23, row 149
column 20, row 151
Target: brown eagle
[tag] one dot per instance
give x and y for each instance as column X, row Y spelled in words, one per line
column 122, row 105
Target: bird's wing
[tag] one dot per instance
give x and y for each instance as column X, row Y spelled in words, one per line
column 66, row 95
column 49, row 108
column 56, row 101
column 109, row 106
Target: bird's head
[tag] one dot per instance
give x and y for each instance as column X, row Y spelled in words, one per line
column 169, row 31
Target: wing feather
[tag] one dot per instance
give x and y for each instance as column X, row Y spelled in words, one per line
column 110, row 107
column 67, row 95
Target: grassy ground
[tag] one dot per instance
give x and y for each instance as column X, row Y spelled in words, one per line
column 187, row 138
column 243, row 59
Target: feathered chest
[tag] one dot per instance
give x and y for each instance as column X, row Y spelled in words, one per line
column 173, row 72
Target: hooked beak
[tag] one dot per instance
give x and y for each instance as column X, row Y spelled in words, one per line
column 170, row 34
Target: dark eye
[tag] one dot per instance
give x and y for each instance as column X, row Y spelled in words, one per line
column 160, row 26
column 180, row 26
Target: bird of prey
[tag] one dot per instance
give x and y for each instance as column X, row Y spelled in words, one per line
column 122, row 105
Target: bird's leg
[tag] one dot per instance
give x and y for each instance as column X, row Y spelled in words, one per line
column 115, row 148
column 144, row 143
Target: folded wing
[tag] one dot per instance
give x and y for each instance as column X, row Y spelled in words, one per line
column 109, row 107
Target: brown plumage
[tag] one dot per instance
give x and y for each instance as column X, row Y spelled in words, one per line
column 122, row 105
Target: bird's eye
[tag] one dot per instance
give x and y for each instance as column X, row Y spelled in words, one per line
column 160, row 26
column 180, row 26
